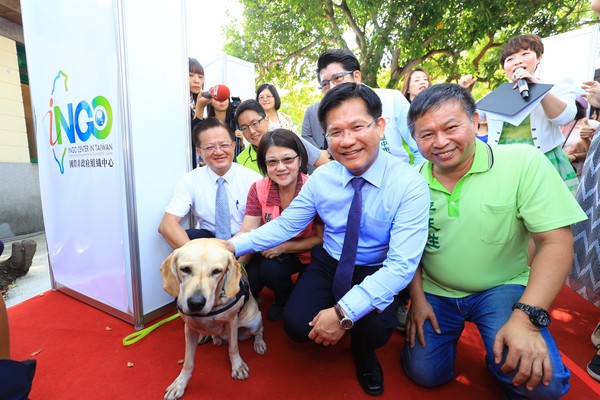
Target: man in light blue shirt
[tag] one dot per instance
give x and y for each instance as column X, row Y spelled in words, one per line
column 393, row 233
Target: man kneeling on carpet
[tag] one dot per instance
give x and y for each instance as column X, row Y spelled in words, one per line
column 485, row 203
column 353, row 279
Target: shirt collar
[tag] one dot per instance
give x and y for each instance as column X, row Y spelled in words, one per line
column 374, row 175
column 214, row 176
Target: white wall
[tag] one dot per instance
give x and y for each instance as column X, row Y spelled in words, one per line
column 573, row 54
column 233, row 72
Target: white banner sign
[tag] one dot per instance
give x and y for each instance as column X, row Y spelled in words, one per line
column 73, row 71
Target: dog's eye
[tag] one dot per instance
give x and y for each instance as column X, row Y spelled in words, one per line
column 217, row 271
column 186, row 270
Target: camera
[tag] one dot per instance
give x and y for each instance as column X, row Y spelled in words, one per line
column 234, row 102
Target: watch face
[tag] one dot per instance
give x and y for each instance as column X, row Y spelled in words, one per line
column 346, row 323
column 540, row 318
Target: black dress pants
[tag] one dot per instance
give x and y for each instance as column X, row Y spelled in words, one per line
column 199, row 234
column 276, row 274
column 313, row 293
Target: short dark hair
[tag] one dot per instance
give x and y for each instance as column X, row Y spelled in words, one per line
column 342, row 56
column 250, row 104
column 437, row 95
column 523, row 42
column 346, row 91
column 283, row 138
column 207, row 124
column 273, row 92
column 195, row 66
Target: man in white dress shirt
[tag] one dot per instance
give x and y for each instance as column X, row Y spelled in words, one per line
column 196, row 191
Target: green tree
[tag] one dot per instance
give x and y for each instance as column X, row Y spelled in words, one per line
column 449, row 38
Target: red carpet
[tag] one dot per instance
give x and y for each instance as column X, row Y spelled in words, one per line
column 80, row 356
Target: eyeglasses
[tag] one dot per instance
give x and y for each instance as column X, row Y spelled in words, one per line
column 337, row 135
column 284, row 161
column 265, row 97
column 213, row 147
column 252, row 125
column 335, row 78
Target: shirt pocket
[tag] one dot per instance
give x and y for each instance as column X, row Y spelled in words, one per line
column 497, row 224
column 375, row 231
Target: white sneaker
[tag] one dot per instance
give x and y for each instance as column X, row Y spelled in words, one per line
column 596, row 336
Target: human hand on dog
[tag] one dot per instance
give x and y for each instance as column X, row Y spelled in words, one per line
column 228, row 245
column 326, row 328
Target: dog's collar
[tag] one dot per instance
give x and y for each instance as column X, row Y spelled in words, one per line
column 244, row 292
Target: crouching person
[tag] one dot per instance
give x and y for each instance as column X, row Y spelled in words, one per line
column 485, row 204
column 375, row 210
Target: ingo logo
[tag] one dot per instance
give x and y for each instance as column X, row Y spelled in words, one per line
column 75, row 123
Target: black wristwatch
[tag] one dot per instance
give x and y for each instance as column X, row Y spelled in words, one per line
column 345, row 322
column 538, row 316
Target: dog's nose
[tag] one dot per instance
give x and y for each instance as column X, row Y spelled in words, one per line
column 196, row 302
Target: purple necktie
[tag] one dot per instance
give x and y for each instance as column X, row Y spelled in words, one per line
column 342, row 280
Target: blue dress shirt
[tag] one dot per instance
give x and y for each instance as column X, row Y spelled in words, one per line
column 393, row 230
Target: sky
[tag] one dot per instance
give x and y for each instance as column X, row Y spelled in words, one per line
column 205, row 18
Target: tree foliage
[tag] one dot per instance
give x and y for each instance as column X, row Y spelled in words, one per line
column 391, row 37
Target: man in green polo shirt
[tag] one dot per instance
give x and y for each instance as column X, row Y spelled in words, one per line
column 485, row 204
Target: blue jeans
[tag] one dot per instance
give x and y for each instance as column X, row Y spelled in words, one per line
column 489, row 310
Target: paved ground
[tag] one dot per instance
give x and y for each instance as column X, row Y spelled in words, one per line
column 37, row 280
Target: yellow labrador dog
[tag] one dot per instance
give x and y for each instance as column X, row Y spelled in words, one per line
column 214, row 300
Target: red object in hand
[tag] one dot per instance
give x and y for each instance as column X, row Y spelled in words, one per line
column 217, row 92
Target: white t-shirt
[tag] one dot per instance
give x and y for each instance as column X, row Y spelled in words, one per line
column 197, row 190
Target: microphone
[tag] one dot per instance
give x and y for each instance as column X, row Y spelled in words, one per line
column 217, row 92
column 522, row 84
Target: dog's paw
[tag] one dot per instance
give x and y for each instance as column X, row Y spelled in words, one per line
column 260, row 347
column 241, row 372
column 175, row 391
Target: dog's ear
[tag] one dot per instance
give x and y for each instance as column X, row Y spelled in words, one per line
column 232, row 287
column 170, row 281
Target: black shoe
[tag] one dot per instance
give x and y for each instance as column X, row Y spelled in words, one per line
column 593, row 368
column 369, row 373
column 275, row 312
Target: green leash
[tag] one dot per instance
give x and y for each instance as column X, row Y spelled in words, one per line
column 139, row 335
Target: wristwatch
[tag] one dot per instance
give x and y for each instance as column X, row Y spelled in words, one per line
column 538, row 316
column 345, row 322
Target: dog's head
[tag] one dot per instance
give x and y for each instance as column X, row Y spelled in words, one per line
column 196, row 273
